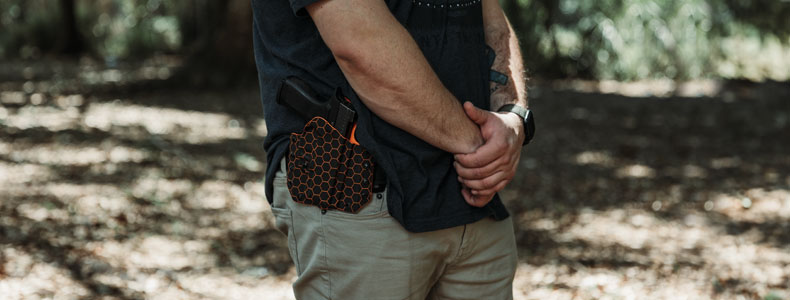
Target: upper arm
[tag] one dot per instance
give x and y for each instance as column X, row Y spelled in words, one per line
column 494, row 20
column 346, row 26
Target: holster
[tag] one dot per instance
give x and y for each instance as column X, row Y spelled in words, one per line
column 326, row 170
column 326, row 165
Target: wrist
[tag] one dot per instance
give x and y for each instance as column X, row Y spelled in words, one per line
column 477, row 142
column 527, row 128
column 515, row 123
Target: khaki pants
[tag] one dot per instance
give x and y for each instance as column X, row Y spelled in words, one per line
column 369, row 255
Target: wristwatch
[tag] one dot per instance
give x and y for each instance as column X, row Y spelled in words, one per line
column 526, row 117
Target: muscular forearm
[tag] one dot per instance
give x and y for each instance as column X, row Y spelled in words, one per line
column 490, row 168
column 501, row 38
column 388, row 71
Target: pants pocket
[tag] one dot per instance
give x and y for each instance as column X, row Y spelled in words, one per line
column 280, row 195
column 283, row 216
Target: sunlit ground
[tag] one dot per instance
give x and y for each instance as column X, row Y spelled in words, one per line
column 650, row 190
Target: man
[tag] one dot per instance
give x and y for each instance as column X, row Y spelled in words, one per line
column 439, row 230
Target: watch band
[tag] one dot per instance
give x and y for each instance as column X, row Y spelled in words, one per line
column 516, row 109
column 526, row 119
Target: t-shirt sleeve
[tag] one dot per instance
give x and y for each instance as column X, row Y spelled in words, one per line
column 298, row 6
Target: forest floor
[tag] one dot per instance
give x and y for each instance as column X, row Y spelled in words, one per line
column 651, row 190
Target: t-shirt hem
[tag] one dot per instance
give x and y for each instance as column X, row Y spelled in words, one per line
column 443, row 222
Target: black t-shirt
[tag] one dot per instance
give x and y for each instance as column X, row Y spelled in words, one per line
column 423, row 192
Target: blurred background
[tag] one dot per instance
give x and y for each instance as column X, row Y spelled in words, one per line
column 131, row 156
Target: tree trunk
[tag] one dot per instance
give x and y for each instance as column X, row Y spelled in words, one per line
column 223, row 54
column 72, row 42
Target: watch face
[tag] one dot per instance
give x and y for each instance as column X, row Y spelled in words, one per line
column 529, row 127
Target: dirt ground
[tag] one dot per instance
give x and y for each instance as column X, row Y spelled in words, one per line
column 652, row 190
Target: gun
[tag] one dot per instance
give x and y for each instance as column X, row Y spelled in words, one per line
column 298, row 96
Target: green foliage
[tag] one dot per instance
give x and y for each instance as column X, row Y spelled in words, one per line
column 26, row 32
column 639, row 39
column 112, row 28
column 605, row 39
column 772, row 296
column 135, row 28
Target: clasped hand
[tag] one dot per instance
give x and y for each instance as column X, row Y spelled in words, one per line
column 492, row 166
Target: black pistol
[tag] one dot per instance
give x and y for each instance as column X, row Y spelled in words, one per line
column 298, row 96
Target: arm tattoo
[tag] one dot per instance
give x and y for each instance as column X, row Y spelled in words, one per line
column 495, row 76
column 499, row 79
column 507, row 82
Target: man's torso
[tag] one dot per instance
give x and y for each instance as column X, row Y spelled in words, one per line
column 423, row 193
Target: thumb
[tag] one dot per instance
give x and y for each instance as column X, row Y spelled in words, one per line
column 475, row 114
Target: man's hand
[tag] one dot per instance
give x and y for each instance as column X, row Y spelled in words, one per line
column 492, row 166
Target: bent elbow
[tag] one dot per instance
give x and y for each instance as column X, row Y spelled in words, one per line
column 349, row 57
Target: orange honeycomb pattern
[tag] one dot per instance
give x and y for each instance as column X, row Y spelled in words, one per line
column 326, row 170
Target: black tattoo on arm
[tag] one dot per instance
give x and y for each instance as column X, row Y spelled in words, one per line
column 507, row 82
column 498, row 79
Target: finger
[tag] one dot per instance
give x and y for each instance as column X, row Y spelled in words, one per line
column 480, row 201
column 479, row 173
column 485, row 183
column 481, row 194
column 468, row 197
column 475, row 114
column 477, row 201
column 487, row 153
column 496, row 189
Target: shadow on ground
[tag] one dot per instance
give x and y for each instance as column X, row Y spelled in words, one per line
column 158, row 193
column 674, row 188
